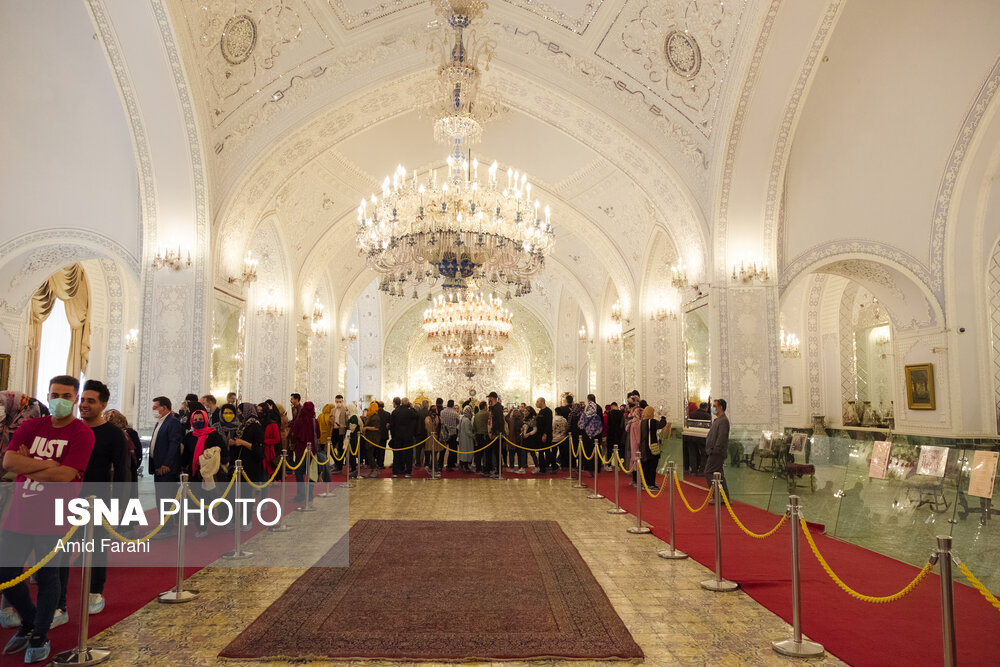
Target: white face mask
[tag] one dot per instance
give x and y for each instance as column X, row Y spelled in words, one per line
column 713, row 411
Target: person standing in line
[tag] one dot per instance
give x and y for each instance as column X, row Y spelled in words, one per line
column 562, row 453
column 165, row 457
column 517, row 458
column 466, row 440
column 649, row 433
column 212, row 408
column 383, row 417
column 403, row 426
column 303, row 434
column 231, row 398
column 591, row 425
column 372, row 432
column 449, row 433
column 432, row 450
column 247, row 445
column 201, row 441
column 108, row 475
column 481, row 427
column 717, row 443
column 41, row 452
column 295, row 400
column 543, row 426
column 338, row 429
column 495, row 424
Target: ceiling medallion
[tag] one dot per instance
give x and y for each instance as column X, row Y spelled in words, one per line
column 238, row 39
column 683, row 53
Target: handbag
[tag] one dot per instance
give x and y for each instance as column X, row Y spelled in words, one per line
column 654, row 444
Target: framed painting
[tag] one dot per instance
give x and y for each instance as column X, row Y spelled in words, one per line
column 4, row 371
column 920, row 387
column 786, row 394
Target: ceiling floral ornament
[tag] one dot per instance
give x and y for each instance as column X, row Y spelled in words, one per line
column 678, row 50
column 239, row 36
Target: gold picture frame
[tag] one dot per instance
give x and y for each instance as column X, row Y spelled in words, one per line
column 920, row 387
column 4, row 371
column 786, row 395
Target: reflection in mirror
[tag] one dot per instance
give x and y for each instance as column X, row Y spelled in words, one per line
column 227, row 344
column 697, row 365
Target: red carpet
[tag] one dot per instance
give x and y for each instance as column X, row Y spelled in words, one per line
column 906, row 632
column 444, row 590
column 127, row 590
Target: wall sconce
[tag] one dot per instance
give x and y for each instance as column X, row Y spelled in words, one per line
column 790, row 347
column 582, row 333
column 352, row 335
column 131, row 340
column 320, row 328
column 662, row 313
column 170, row 258
column 617, row 313
column 317, row 313
column 750, row 271
column 615, row 336
column 678, row 274
column 249, row 270
column 269, row 309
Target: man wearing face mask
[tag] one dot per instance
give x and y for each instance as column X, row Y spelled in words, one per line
column 42, row 452
column 165, row 456
column 717, row 443
column 338, row 427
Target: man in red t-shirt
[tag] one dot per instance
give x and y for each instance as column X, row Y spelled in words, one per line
column 48, row 451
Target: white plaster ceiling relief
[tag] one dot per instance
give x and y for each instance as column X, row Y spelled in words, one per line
column 677, row 50
column 244, row 46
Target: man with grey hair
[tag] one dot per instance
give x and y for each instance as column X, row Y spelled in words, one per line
column 717, row 443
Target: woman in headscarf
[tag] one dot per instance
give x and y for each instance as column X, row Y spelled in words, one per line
column 466, row 440
column 432, row 450
column 649, row 440
column 204, row 447
column 634, row 430
column 229, row 422
column 372, row 433
column 247, row 444
column 134, row 446
column 303, row 432
column 325, row 443
column 15, row 408
column 269, row 421
column 353, row 440
column 284, row 425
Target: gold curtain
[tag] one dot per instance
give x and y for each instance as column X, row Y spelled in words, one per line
column 70, row 285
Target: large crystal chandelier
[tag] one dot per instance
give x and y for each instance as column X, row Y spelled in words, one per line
column 465, row 224
column 469, row 313
column 469, row 355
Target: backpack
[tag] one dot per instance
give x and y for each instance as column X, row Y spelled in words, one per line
column 559, row 427
column 592, row 424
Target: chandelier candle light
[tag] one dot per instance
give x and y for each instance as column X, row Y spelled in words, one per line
column 475, row 314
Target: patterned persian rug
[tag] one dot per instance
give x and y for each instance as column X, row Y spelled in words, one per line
column 444, row 591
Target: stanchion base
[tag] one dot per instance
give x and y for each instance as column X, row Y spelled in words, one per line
column 724, row 586
column 639, row 530
column 802, row 649
column 305, row 509
column 672, row 554
column 278, row 529
column 324, row 495
column 237, row 555
column 173, row 597
column 580, row 486
column 89, row 656
column 617, row 510
column 595, row 496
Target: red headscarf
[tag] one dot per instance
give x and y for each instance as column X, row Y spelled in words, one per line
column 303, row 426
column 202, row 434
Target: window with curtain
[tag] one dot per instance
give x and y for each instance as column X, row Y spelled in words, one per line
column 69, row 287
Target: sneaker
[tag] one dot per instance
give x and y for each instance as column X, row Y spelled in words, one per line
column 654, row 488
column 96, row 605
column 408, row 476
column 59, row 618
column 18, row 642
column 520, row 471
column 9, row 618
column 201, row 532
column 494, row 476
column 38, row 650
column 537, row 471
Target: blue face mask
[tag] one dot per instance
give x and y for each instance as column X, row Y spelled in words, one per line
column 713, row 411
column 60, row 407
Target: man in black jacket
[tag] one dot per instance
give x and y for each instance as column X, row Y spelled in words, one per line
column 543, row 423
column 383, row 420
column 496, row 424
column 403, row 426
column 717, row 443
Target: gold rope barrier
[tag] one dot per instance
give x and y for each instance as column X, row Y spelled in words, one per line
column 39, row 565
column 680, row 492
column 645, row 486
column 985, row 592
column 759, row 536
column 605, row 461
column 453, row 451
column 530, row 449
column 268, row 482
column 593, row 450
column 853, row 593
column 297, row 465
column 144, row 538
column 401, row 449
column 224, row 493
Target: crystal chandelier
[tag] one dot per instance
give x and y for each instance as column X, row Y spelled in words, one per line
column 469, row 355
column 465, row 224
column 790, row 345
column 474, row 314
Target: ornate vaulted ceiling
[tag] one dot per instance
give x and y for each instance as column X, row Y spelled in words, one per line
column 613, row 109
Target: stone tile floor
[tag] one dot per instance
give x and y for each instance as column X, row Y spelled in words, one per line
column 661, row 602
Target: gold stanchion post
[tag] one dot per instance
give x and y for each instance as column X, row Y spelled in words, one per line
column 947, row 601
column 283, row 471
column 237, row 553
column 638, row 528
column 718, row 584
column 579, row 467
column 671, row 553
column 616, row 461
column 597, row 459
column 796, row 647
column 178, row 594
column 308, row 505
column 83, row 654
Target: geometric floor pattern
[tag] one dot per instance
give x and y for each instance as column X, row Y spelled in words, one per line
column 670, row 616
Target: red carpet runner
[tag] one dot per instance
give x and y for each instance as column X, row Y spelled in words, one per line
column 444, row 590
column 906, row 632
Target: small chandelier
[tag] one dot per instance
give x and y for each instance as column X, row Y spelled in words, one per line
column 457, row 315
column 678, row 275
column 790, row 348
column 475, row 355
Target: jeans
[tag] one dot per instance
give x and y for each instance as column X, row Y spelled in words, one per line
column 714, row 465
column 16, row 549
